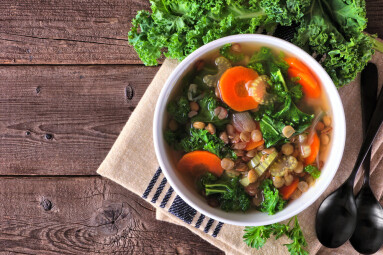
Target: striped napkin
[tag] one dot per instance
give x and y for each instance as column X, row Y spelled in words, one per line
column 132, row 163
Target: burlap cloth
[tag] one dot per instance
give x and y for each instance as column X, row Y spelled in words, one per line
column 132, row 163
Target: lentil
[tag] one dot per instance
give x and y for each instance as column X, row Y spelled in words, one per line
column 227, row 164
column 210, row 128
column 287, row 149
column 199, row 125
column 256, row 135
column 194, row 106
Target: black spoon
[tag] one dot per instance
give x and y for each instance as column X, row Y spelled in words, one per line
column 336, row 216
column 368, row 234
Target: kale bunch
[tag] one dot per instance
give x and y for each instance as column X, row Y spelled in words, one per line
column 328, row 29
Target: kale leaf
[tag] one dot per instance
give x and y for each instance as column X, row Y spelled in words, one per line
column 333, row 29
column 273, row 201
column 313, row 171
column 201, row 139
column 206, row 112
column 274, row 117
column 179, row 110
column 227, row 53
column 231, row 194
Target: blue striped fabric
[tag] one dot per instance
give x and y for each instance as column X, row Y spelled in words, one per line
column 177, row 206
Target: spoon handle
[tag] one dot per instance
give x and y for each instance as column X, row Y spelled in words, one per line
column 369, row 91
column 372, row 130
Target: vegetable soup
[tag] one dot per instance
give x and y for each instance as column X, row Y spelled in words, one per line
column 251, row 127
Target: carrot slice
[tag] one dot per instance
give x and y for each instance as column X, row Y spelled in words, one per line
column 233, row 90
column 252, row 145
column 315, row 144
column 309, row 84
column 287, row 191
column 296, row 64
column 199, row 162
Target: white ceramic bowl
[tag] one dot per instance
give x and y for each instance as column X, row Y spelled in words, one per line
column 250, row 218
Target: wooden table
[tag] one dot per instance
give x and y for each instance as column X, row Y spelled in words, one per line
column 69, row 81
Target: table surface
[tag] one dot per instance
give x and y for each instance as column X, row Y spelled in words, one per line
column 69, row 82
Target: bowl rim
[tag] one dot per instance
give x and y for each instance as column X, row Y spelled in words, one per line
column 335, row 152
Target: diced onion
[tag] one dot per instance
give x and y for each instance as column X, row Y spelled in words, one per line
column 305, row 151
column 242, row 121
column 302, row 138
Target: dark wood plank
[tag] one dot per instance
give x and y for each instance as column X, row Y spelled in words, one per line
column 374, row 12
column 85, row 216
column 67, row 32
column 84, row 31
column 62, row 120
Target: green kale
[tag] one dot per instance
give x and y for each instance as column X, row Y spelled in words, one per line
column 206, row 112
column 272, row 130
column 283, row 112
column 201, row 139
column 227, row 53
column 273, row 201
column 291, row 115
column 258, row 67
column 265, row 61
column 181, row 27
column 333, row 29
column 313, row 171
column 296, row 92
column 179, row 110
column 231, row 194
column 256, row 237
column 206, row 178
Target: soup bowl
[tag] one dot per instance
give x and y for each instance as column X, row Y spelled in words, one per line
column 185, row 189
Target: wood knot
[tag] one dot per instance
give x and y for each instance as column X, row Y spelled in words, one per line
column 38, row 89
column 46, row 204
column 48, row 136
column 28, row 133
column 111, row 219
column 129, row 92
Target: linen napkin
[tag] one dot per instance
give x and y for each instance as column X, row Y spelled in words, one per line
column 132, row 163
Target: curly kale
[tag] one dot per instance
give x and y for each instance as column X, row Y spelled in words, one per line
column 313, row 171
column 230, row 193
column 201, row 139
column 273, row 201
column 179, row 110
column 283, row 111
column 206, row 112
column 227, row 53
column 332, row 30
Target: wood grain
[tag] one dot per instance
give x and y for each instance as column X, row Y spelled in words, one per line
column 84, row 31
column 62, row 120
column 67, row 32
column 86, row 216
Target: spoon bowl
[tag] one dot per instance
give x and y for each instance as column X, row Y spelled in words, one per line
column 368, row 234
column 336, row 217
